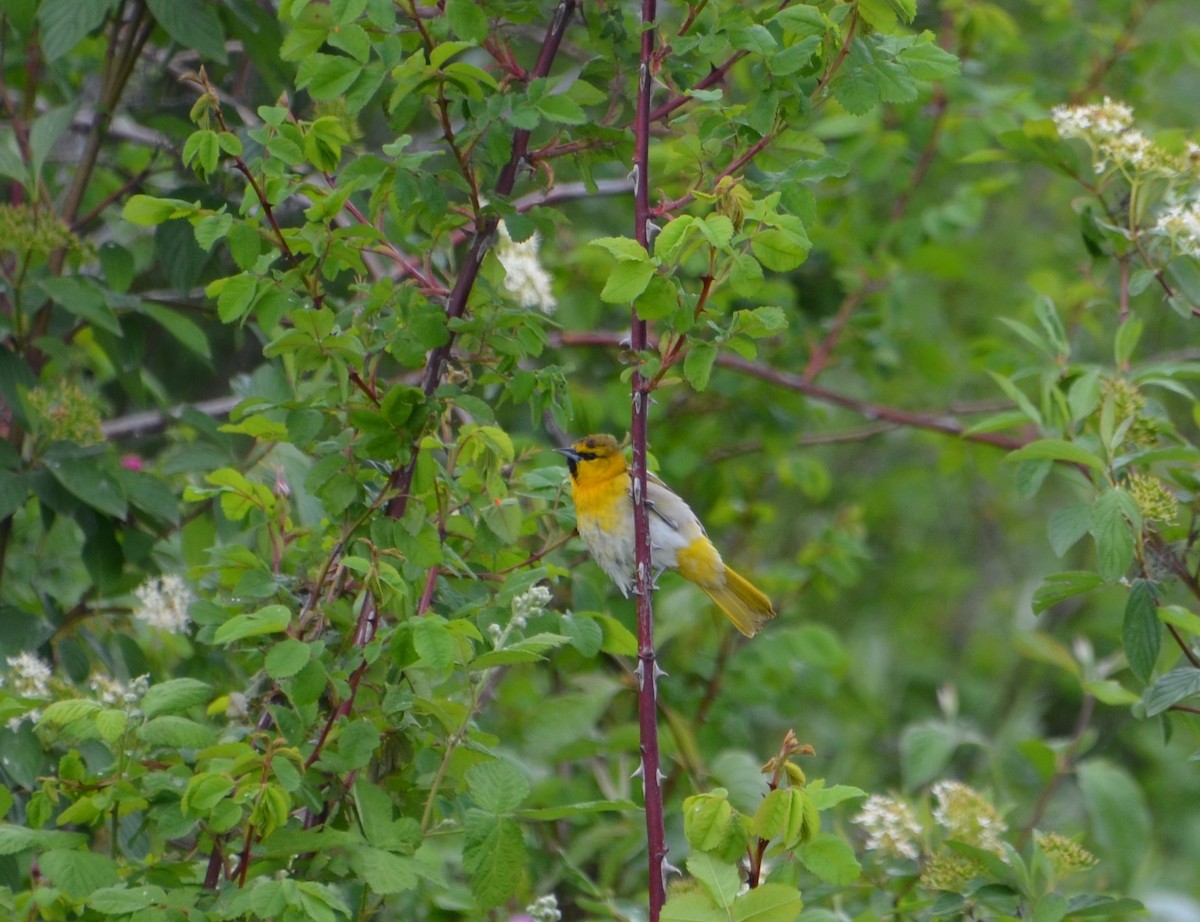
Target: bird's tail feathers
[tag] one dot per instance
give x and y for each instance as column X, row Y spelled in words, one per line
column 742, row 602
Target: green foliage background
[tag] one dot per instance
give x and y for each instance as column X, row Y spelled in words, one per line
column 923, row 366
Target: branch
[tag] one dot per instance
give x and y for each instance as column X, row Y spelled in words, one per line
column 456, row 305
column 914, row 419
column 647, row 667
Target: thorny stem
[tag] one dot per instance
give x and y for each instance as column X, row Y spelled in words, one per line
column 647, row 669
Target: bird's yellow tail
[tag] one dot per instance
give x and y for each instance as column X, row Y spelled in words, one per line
column 742, row 602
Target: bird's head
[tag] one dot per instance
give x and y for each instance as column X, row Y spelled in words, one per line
column 594, row 456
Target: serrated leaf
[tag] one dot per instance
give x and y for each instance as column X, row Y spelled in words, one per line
column 268, row 620
column 494, row 856
column 768, row 903
column 831, row 859
column 384, row 872
column 1141, row 631
column 78, row 873
column 780, row 250
column 626, row 281
column 721, row 880
column 176, row 733
column 1114, row 515
column 1167, row 690
column 175, row 696
column 496, row 786
column 706, row 818
column 698, row 363
column 584, row 808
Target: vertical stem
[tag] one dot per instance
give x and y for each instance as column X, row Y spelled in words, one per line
column 647, row 666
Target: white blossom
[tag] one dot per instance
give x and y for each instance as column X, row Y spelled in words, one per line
column 524, row 276
column 890, row 825
column 1104, row 120
column 1180, row 223
column 544, row 909
column 30, row 675
column 967, row 816
column 163, row 603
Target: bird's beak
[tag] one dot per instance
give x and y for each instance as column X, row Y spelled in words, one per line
column 570, row 453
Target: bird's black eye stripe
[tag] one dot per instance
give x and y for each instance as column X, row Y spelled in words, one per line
column 588, row 456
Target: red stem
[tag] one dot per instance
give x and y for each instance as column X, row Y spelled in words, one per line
column 647, row 665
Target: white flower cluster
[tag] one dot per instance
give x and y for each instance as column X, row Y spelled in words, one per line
column 524, row 276
column 966, row 816
column 544, row 909
column 1180, row 224
column 530, row 604
column 1105, row 120
column 110, row 691
column 163, row 603
column 890, row 825
column 1108, row 129
column 29, row 677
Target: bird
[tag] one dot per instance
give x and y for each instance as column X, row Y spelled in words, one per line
column 601, row 488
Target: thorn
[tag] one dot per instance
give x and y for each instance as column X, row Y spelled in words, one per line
column 652, row 230
column 637, row 772
column 667, row 870
column 661, row 776
column 641, row 675
column 659, row 673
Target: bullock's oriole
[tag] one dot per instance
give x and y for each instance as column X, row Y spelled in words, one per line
column 601, row 488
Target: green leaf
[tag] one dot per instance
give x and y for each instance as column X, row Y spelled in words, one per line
column 188, row 334
column 925, row 751
column 698, row 363
column 17, row 839
column 269, row 620
column 558, row 107
column 721, row 880
column 1059, row 586
column 496, row 786
column 627, row 280
column 1116, row 806
column 1067, row 525
column 434, row 644
column 825, row 797
column 1087, row 905
column 60, row 713
column 286, row 658
column 706, row 819
column 192, row 24
column 176, row 733
column 327, row 76
column 175, row 696
column 1141, row 632
column 1126, row 340
column 928, row 61
column 88, row 480
column 887, row 15
column 78, row 873
column 1180, row 617
column 467, row 20
column 831, row 859
column 691, row 906
column 120, row 900
column 1114, row 516
column 1017, row 396
column 780, row 250
column 84, row 299
column 384, row 872
column 494, row 856
column 623, row 248
column 584, row 808
column 1167, row 690
column 64, row 23
column 768, row 903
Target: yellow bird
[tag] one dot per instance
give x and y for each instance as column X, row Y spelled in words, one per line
column 601, row 488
